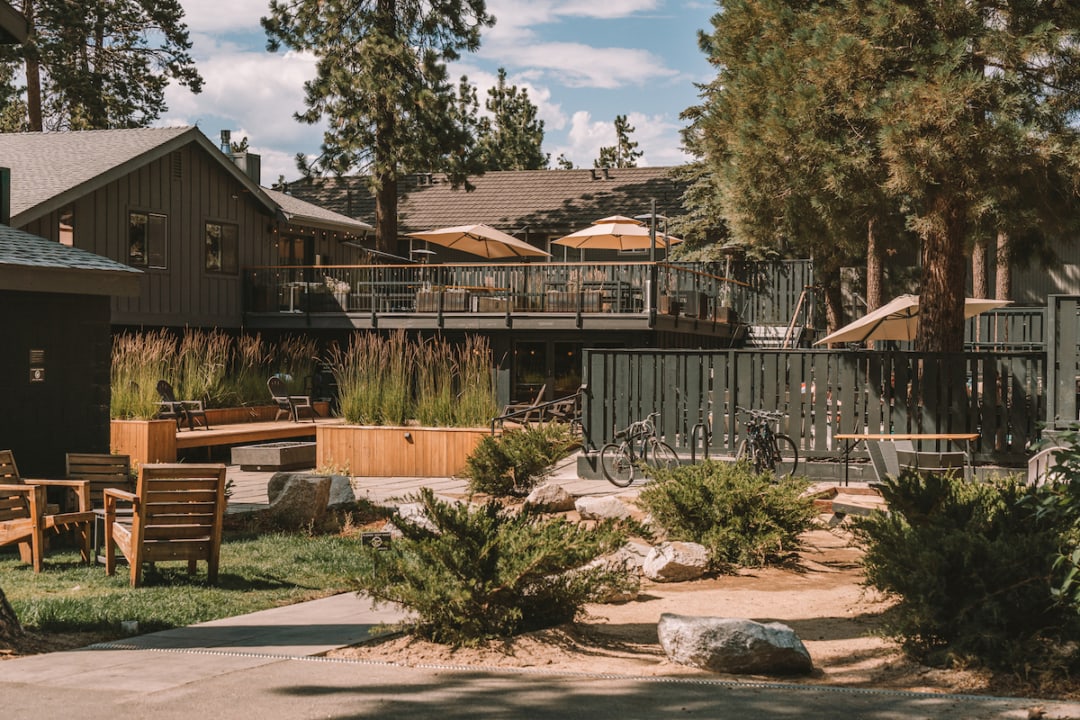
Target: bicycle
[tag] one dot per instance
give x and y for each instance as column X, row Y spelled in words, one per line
column 765, row 449
column 634, row 446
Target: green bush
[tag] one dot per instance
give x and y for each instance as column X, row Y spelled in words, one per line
column 744, row 519
column 513, row 463
column 973, row 567
column 481, row 572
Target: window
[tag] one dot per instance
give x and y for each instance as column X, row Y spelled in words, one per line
column 147, row 245
column 221, row 252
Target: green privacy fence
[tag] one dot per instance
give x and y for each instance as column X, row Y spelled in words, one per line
column 821, row 393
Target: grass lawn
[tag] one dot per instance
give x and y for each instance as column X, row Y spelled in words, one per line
column 257, row 571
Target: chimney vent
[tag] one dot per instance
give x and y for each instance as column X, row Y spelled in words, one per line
column 226, row 141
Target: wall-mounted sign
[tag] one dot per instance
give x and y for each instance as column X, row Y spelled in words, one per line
column 37, row 366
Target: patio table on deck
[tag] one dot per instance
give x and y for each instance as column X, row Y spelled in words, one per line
column 853, row 439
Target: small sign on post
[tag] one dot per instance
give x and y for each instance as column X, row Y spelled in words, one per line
column 377, row 540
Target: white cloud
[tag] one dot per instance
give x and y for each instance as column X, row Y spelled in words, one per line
column 657, row 137
column 223, row 15
column 609, row 9
column 578, row 65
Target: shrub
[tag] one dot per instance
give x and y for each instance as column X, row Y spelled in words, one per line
column 481, row 572
column 513, row 463
column 744, row 519
column 972, row 566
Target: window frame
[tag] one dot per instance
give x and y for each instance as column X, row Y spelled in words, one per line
column 162, row 220
column 221, row 268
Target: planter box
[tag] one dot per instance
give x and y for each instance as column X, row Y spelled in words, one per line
column 229, row 416
column 568, row 301
column 452, row 300
column 394, row 451
column 725, row 314
column 145, row 441
column 275, row 456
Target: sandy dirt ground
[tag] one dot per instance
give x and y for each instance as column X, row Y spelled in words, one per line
column 821, row 597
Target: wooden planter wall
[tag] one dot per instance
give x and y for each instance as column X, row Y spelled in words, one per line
column 370, row 451
column 145, row 441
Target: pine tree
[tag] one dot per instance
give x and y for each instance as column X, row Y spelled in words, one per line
column 381, row 83
column 103, row 63
column 831, row 121
column 563, row 163
column 512, row 137
column 624, row 153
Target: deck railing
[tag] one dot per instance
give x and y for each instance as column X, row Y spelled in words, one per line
column 636, row 287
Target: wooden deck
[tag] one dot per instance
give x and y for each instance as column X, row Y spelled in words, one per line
column 250, row 432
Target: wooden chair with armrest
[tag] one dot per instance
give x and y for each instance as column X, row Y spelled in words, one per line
column 183, row 411
column 177, row 514
column 289, row 405
column 25, row 515
column 521, row 414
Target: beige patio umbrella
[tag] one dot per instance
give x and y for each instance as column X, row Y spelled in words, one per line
column 616, row 233
column 898, row 319
column 482, row 240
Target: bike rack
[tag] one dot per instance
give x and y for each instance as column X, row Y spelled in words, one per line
column 699, row 428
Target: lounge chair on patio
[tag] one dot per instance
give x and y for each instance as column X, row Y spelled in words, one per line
column 183, row 411
column 289, row 405
column 521, row 414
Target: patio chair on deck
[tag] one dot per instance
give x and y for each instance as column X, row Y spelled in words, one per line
column 521, row 414
column 25, row 515
column 183, row 411
column 289, row 405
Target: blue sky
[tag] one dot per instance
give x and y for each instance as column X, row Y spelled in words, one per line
column 582, row 61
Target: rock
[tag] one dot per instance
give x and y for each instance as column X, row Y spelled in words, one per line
column 676, row 562
column 342, row 496
column 297, row 500
column 602, row 508
column 733, row 645
column 414, row 513
column 551, row 498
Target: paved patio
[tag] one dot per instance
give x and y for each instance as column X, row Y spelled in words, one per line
column 249, row 488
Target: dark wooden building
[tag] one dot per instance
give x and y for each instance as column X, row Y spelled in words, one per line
column 55, row 348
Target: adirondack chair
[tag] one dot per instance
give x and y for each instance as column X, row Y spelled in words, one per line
column 521, row 414
column 183, row 411
column 177, row 512
column 102, row 471
column 289, row 405
column 25, row 516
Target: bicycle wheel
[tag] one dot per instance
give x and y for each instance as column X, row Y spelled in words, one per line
column 658, row 454
column 787, row 457
column 617, row 464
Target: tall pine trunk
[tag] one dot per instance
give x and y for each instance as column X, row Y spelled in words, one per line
column 980, row 256
column 941, row 303
column 1003, row 284
column 385, row 168
column 874, row 270
column 33, row 72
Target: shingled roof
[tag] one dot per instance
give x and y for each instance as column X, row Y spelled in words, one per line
column 30, row 262
column 548, row 202
column 48, row 170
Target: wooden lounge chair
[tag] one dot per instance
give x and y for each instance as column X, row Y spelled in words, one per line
column 177, row 512
column 183, row 411
column 25, row 516
column 521, row 414
column 102, row 471
column 290, row 405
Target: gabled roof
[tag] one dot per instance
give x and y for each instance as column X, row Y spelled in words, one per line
column 12, row 25
column 546, row 201
column 49, row 170
column 33, row 263
column 299, row 212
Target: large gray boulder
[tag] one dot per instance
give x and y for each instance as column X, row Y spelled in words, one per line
column 297, row 500
column 602, row 508
column 550, row 497
column 676, row 562
column 733, row 645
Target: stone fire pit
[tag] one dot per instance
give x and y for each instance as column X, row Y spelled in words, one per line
column 275, row 456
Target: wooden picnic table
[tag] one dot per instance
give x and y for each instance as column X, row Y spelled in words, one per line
column 853, row 439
